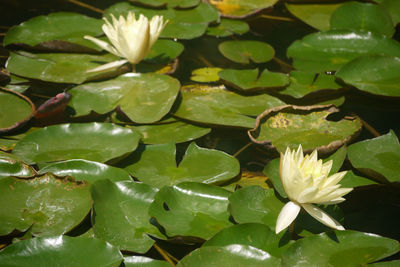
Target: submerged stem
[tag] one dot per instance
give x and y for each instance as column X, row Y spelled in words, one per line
column 164, row 254
column 78, row 3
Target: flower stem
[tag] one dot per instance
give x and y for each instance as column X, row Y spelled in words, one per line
column 164, row 254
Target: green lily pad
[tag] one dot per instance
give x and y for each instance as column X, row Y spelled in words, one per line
column 164, row 51
column 85, row 170
column 363, row 16
column 22, row 110
column 271, row 170
column 228, row 27
column 232, row 255
column 50, row 206
column 353, row 180
column 241, row 8
column 58, row 68
column 17, row 84
column 252, row 80
column 337, row 249
column 218, row 106
column 290, row 126
column 156, row 165
column 144, row 98
column 169, row 3
column 374, row 74
column 175, row 132
column 244, row 51
column 205, row 75
column 315, row 15
column 120, row 214
column 92, row 141
column 303, row 83
column 251, row 234
column 254, row 204
column 60, row 26
column 183, row 24
column 393, row 7
column 62, row 251
column 141, row 261
column 329, row 50
column 191, row 209
column 11, row 166
column 377, row 157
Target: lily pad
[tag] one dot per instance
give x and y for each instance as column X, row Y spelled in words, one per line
column 169, row 3
column 11, row 166
column 337, row 249
column 191, row 209
column 140, row 261
column 252, row 80
column 205, row 75
column 363, row 16
column 156, row 165
column 120, row 214
column 17, row 84
column 58, row 68
column 303, row 83
column 290, row 126
column 176, row 132
column 85, row 170
column 254, row 204
column 353, row 180
column 47, row 205
column 183, row 24
column 393, row 7
column 377, row 75
column 228, row 27
column 22, row 110
column 60, row 26
column 329, row 50
column 144, row 98
column 216, row 105
column 92, row 141
column 271, row 170
column 248, row 178
column 378, row 157
column 316, row 15
column 244, row 51
column 164, row 51
column 232, row 255
column 62, row 251
column 241, row 8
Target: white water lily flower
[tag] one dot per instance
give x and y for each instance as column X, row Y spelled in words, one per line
column 130, row 39
column 305, row 180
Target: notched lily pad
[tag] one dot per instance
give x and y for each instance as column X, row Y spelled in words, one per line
column 228, row 27
column 144, row 98
column 289, row 126
column 22, row 110
column 252, row 79
column 244, row 51
column 241, row 8
column 48, row 205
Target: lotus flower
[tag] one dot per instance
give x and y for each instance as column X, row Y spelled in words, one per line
column 305, row 180
column 130, row 39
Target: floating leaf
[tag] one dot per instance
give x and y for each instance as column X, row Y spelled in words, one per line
column 191, row 209
column 252, row 80
column 60, row 26
column 244, row 51
column 91, row 141
column 254, row 204
column 363, row 16
column 271, row 170
column 378, row 157
column 337, row 249
column 176, row 132
column 11, row 166
column 315, row 15
column 141, row 261
column 216, row 105
column 22, row 110
column 205, row 75
column 248, row 178
column 232, row 255
column 329, row 50
column 374, row 74
column 164, row 51
column 50, row 206
column 289, row 126
column 62, row 251
column 58, row 68
column 17, row 84
column 120, row 214
column 393, row 7
column 169, row 3
column 303, row 83
column 144, row 98
column 241, row 8
column 228, row 27
column 85, row 170
column 156, row 165
column 353, row 180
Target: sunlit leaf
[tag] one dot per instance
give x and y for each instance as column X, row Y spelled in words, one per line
column 241, row 8
column 205, row 75
column 228, row 27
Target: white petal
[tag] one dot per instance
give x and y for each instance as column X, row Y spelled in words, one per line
column 334, row 179
column 106, row 46
column 322, row 217
column 307, row 195
column 108, row 66
column 287, row 215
